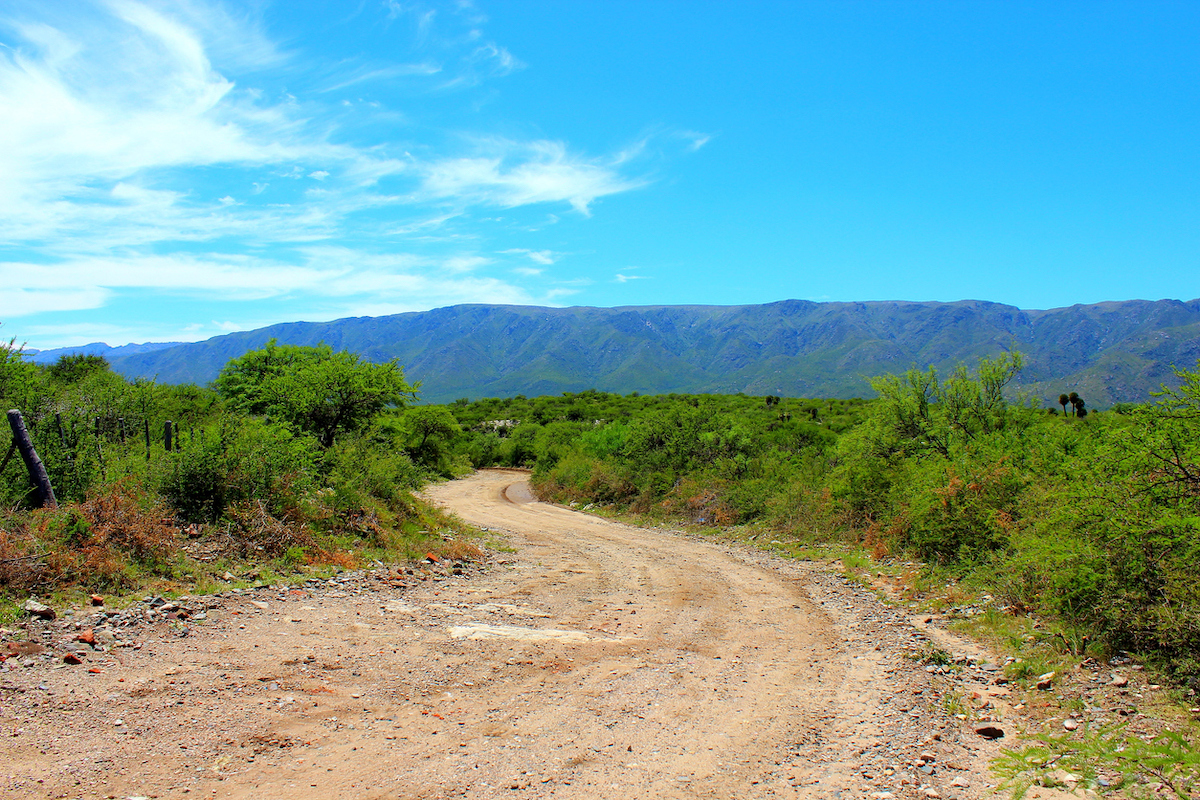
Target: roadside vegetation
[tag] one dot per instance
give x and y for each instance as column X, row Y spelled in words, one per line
column 295, row 461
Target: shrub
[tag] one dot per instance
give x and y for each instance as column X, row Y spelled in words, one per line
column 239, row 459
column 964, row 520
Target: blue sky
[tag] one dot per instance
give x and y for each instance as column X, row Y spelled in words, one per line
column 175, row 170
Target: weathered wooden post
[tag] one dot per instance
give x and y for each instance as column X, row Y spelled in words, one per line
column 62, row 435
column 167, row 436
column 33, row 464
column 100, row 452
column 146, row 422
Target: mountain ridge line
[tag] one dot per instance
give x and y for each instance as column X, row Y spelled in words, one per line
column 1108, row 352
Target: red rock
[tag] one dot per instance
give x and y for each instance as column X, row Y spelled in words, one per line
column 71, row 658
column 87, row 636
column 432, row 558
column 97, row 600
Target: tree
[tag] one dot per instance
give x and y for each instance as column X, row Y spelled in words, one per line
column 1073, row 398
column 428, row 431
column 924, row 413
column 313, row 389
column 77, row 366
column 17, row 375
column 1062, row 401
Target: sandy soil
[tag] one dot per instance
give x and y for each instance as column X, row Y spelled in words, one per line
column 596, row 660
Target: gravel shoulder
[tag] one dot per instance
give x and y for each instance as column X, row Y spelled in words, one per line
column 596, row 659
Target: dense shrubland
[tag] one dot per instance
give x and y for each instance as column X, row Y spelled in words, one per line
column 296, row 457
column 1092, row 520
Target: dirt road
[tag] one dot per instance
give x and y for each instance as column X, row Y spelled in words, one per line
column 596, row 660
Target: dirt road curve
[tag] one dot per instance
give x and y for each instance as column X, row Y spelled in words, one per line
column 597, row 660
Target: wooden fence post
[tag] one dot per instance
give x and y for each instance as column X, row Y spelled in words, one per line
column 167, row 436
column 100, row 452
column 37, row 470
column 62, row 435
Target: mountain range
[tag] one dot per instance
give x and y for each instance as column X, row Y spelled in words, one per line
column 1107, row 352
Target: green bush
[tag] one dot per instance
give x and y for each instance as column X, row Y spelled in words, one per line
column 236, row 459
column 964, row 520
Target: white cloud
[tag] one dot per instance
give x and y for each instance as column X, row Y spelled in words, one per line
column 139, row 148
column 523, row 173
column 694, row 139
column 559, row 292
column 622, row 277
column 369, row 74
column 234, row 277
column 545, row 257
column 96, row 137
column 26, row 300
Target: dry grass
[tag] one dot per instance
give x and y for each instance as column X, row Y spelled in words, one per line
column 253, row 532
column 457, row 550
column 22, row 567
column 120, row 520
column 96, row 544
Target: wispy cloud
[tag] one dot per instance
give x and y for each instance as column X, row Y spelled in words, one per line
column 509, row 174
column 546, row 257
column 694, row 139
column 152, row 146
column 386, row 73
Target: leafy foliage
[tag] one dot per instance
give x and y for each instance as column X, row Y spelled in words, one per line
column 314, row 389
column 299, row 463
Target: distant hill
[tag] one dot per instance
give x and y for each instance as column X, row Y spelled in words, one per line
column 1107, row 352
column 97, row 349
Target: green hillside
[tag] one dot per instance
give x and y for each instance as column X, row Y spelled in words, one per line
column 1108, row 352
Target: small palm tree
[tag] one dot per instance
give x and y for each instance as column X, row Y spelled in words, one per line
column 1062, row 401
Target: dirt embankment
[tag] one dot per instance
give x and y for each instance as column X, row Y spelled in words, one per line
column 597, row 659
